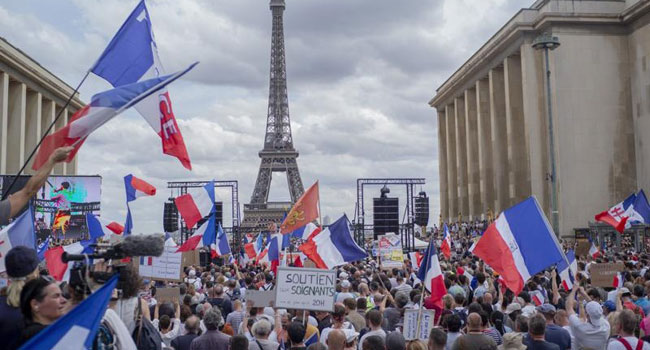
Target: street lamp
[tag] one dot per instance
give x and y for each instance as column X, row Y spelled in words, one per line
column 548, row 42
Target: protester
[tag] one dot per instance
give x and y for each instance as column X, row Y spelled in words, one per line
column 437, row 339
column 41, row 303
column 261, row 331
column 536, row 330
column 594, row 331
column 192, row 330
column 475, row 338
column 212, row 339
column 627, row 322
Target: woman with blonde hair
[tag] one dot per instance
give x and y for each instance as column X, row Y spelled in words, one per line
column 416, row 345
column 21, row 264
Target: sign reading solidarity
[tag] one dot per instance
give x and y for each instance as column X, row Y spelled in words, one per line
column 306, row 289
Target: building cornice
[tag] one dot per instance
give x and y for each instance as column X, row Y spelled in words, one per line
column 24, row 65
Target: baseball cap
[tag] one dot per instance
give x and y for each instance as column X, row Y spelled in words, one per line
column 350, row 335
column 345, row 284
column 624, row 291
column 20, row 261
column 595, row 313
column 546, row 309
column 609, row 305
column 343, row 275
column 513, row 307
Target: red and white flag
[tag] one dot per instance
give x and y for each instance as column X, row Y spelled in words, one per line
column 445, row 246
column 195, row 206
column 431, row 275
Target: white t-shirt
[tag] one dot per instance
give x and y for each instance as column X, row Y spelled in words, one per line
column 326, row 331
column 586, row 335
column 617, row 345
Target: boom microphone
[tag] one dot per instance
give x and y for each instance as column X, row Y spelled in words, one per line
column 134, row 245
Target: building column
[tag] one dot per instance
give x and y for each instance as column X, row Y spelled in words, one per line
column 534, row 103
column 485, row 159
column 471, row 134
column 499, row 138
column 59, row 168
column 442, row 166
column 452, row 169
column 461, row 158
column 4, row 120
column 16, row 126
column 518, row 175
column 32, row 125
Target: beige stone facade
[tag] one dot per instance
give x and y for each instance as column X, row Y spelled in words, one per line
column 492, row 117
column 30, row 99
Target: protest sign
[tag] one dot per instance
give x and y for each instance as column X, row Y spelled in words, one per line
column 602, row 275
column 168, row 295
column 304, row 288
column 390, row 251
column 167, row 267
column 260, row 298
column 411, row 331
column 191, row 257
column 582, row 247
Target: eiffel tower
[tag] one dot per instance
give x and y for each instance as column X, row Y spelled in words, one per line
column 278, row 154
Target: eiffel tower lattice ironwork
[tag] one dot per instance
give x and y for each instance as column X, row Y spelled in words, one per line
column 278, row 154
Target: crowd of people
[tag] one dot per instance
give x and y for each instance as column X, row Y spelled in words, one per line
column 212, row 311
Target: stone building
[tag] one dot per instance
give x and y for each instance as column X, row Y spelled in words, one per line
column 493, row 123
column 30, row 99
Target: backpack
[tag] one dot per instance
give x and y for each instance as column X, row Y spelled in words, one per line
column 145, row 335
column 218, row 303
column 462, row 314
column 104, row 339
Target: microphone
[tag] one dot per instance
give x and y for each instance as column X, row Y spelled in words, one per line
column 134, row 245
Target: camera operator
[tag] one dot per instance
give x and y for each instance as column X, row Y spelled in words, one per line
column 11, row 206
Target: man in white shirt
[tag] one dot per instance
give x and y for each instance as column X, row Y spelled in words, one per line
column 626, row 324
column 592, row 333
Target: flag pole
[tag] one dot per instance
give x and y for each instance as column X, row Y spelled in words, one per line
column 5, row 193
column 422, row 293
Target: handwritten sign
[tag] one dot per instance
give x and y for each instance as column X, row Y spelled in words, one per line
column 260, row 298
column 602, row 275
column 306, row 289
column 411, row 331
column 168, row 266
column 168, row 295
column 390, row 251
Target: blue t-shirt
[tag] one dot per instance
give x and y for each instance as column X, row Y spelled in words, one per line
column 558, row 335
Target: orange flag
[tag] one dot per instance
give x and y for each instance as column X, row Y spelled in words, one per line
column 303, row 212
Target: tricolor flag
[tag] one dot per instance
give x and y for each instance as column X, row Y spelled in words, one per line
column 593, row 251
column 76, row 330
column 99, row 227
column 57, row 268
column 616, row 216
column 519, row 244
column 333, row 246
column 19, row 232
column 250, row 251
column 445, row 246
column 303, row 212
column 103, row 107
column 416, row 259
column 135, row 188
column 146, row 260
column 537, row 297
column 132, row 56
column 205, row 236
column 431, row 275
column 195, row 206
column 640, row 211
column 306, row 231
column 618, row 280
column 567, row 271
column 222, row 247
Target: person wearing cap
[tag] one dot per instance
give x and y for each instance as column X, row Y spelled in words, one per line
column 553, row 333
column 11, row 206
column 21, row 264
column 513, row 310
column 345, row 292
column 594, row 331
column 512, row 341
column 626, row 299
column 351, row 337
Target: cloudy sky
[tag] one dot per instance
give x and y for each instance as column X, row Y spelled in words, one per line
column 360, row 74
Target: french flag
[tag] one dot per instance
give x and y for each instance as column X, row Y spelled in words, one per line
column 333, row 246
column 568, row 271
column 618, row 280
column 249, row 251
column 593, row 251
column 445, row 246
column 77, row 328
column 136, row 188
column 617, row 215
column 103, row 107
column 222, row 247
column 99, row 227
column 205, row 236
column 537, row 297
column 57, row 268
column 195, row 206
column 146, row 260
column 19, row 232
column 431, row 275
column 306, row 231
column 416, row 259
column 132, row 56
column 519, row 244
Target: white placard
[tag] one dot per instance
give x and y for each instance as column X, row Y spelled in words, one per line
column 411, row 323
column 305, row 289
column 167, row 266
